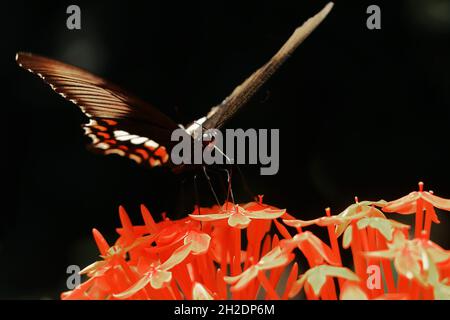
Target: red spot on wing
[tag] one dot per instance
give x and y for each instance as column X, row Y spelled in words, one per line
column 100, row 128
column 154, row 162
column 104, row 135
column 110, row 122
column 161, row 152
column 144, row 154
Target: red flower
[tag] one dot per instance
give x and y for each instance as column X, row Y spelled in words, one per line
column 238, row 216
column 417, row 202
column 232, row 252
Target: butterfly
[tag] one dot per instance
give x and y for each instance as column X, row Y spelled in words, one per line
column 122, row 124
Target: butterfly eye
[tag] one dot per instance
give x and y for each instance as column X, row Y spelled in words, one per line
column 207, row 136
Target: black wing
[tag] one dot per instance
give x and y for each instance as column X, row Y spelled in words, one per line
column 119, row 122
column 218, row 115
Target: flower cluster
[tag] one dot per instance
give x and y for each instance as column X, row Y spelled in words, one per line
column 253, row 251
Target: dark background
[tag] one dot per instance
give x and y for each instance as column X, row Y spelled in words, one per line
column 360, row 112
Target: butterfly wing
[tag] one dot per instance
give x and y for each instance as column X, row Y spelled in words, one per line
column 109, row 137
column 119, row 122
column 218, row 115
column 123, row 124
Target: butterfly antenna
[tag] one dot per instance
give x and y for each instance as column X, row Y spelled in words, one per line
column 230, row 175
column 210, row 185
column 218, row 173
column 228, row 160
column 230, row 189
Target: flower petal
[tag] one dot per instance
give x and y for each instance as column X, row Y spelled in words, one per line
column 209, row 217
column 347, row 238
column 353, row 292
column 160, row 278
column 93, row 267
column 199, row 292
column 324, row 252
column 398, row 225
column 317, row 276
column 382, row 225
column 322, row 221
column 355, row 211
column 199, row 242
column 177, row 257
column 407, row 266
column 339, row 272
column 273, row 259
column 242, row 280
column 404, row 205
column 297, row 286
column 437, row 254
column 441, row 291
column 379, row 203
column 332, row 220
column 385, row 254
column 102, row 244
column 139, row 285
column 238, row 220
column 316, row 280
column 266, row 213
column 436, row 201
column 148, row 220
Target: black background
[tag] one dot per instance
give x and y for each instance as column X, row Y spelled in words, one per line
column 361, row 112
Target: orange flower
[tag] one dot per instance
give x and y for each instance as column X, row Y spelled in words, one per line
column 314, row 249
column 353, row 291
column 158, row 274
column 416, row 202
column 385, row 227
column 199, row 292
column 408, row 204
column 343, row 220
column 273, row 259
column 238, row 216
column 414, row 259
column 317, row 277
column 239, row 256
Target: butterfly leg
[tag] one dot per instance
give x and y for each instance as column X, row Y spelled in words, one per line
column 217, row 173
column 197, row 198
column 230, row 189
column 211, row 186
